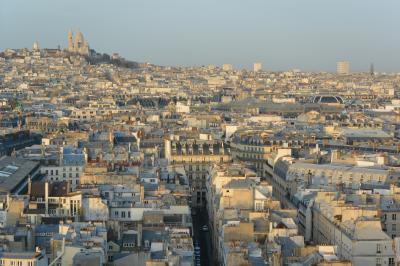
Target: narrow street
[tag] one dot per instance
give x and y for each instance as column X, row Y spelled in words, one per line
column 203, row 238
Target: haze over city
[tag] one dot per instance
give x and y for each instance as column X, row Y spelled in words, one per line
column 199, row 133
column 309, row 35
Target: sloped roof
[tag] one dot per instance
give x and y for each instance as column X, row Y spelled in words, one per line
column 369, row 230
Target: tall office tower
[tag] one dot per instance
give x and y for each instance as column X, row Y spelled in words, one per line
column 343, row 68
column 227, row 67
column 371, row 69
column 257, row 67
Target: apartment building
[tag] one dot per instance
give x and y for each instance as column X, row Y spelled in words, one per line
column 69, row 167
column 357, row 232
column 237, row 206
column 23, row 259
column 288, row 174
column 196, row 155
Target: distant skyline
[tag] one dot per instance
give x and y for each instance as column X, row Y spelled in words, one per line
column 311, row 35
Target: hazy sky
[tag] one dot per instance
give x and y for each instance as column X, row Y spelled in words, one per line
column 282, row 34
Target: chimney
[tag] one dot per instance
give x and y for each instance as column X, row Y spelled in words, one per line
column 8, row 201
column 111, row 136
column 30, row 239
column 29, row 185
column 139, row 235
column 61, row 156
column 141, row 193
column 46, row 196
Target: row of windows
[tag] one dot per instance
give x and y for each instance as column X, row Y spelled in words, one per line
column 17, row 263
column 152, row 180
column 380, row 263
column 221, row 159
column 393, row 216
column 65, row 169
column 85, row 117
column 64, row 175
column 70, row 181
column 197, row 167
column 332, row 174
column 203, row 177
column 92, row 112
column 254, row 156
column 84, row 112
column 246, row 148
column 123, row 214
column 259, row 206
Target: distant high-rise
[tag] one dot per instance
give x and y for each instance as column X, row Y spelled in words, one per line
column 371, row 69
column 227, row 67
column 79, row 46
column 257, row 67
column 343, row 68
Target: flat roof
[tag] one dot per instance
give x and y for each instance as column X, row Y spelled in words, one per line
column 364, row 133
column 341, row 167
column 19, row 255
